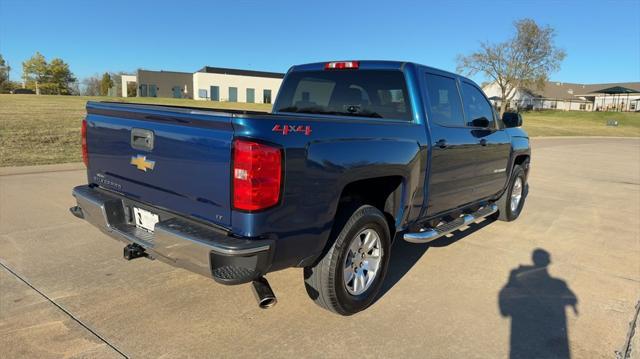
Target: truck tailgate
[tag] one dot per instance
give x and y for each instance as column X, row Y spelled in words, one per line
column 185, row 170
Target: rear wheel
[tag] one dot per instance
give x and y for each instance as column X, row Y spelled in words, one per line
column 512, row 200
column 349, row 276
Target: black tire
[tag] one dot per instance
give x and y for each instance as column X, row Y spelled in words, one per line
column 505, row 212
column 324, row 281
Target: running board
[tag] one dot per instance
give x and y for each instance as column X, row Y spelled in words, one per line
column 429, row 234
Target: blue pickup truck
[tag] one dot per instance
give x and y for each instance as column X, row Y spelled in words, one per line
column 354, row 155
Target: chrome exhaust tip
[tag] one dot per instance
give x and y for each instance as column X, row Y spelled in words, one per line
column 264, row 294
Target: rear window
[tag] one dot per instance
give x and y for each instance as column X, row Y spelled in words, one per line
column 360, row 93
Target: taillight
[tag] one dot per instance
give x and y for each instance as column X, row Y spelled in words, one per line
column 85, row 153
column 342, row 65
column 257, row 172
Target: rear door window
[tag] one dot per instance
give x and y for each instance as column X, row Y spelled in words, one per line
column 444, row 101
column 356, row 93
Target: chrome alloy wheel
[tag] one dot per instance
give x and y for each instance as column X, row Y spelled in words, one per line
column 516, row 194
column 362, row 261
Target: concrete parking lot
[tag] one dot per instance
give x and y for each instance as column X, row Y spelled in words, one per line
column 65, row 290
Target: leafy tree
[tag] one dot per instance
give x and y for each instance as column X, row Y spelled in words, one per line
column 105, row 84
column 132, row 88
column 35, row 71
column 61, row 77
column 524, row 61
column 4, row 76
column 47, row 78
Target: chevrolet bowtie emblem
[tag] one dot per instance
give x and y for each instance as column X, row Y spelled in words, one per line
column 142, row 163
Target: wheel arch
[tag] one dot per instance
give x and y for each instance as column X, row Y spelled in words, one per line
column 385, row 193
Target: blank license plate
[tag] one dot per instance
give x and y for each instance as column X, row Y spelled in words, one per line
column 145, row 219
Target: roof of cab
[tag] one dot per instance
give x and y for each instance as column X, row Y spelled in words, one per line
column 371, row 65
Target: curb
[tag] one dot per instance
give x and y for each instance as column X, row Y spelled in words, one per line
column 76, row 166
column 23, row 170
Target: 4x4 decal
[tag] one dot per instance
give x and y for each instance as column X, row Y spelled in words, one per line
column 287, row 129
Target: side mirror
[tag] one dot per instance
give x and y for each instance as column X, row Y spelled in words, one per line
column 480, row 122
column 512, row 119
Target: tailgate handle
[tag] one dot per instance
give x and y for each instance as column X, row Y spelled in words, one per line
column 142, row 139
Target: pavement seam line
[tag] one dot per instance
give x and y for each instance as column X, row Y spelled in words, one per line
column 626, row 349
column 74, row 318
column 54, row 226
column 581, row 267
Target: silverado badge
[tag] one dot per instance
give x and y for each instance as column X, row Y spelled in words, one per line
column 142, row 163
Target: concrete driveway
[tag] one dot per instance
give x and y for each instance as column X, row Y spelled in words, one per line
column 65, row 290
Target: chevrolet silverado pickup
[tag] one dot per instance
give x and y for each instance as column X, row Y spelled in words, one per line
column 353, row 155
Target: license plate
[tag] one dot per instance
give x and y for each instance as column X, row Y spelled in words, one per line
column 145, row 219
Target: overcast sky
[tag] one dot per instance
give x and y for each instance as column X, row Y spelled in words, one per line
column 601, row 38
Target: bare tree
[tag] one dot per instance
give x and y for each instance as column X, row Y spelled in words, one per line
column 91, row 86
column 524, row 61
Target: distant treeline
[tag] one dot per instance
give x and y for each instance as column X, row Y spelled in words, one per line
column 55, row 78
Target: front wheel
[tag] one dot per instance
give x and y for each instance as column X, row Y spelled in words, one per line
column 512, row 200
column 349, row 276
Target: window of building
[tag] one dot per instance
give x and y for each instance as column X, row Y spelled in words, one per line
column 554, row 104
column 583, row 106
column 233, row 94
column 251, row 95
column 632, row 106
column 215, row 93
column 476, row 106
column 176, row 91
column 153, row 91
column 143, row 90
column 266, row 96
column 202, row 93
column 444, row 100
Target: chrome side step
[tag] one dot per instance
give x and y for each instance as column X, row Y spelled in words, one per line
column 429, row 234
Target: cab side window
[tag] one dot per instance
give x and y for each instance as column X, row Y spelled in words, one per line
column 444, row 101
column 476, row 107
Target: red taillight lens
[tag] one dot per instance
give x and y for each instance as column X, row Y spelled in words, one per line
column 257, row 171
column 342, row 65
column 85, row 153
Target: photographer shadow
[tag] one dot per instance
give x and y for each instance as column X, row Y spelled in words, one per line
column 536, row 303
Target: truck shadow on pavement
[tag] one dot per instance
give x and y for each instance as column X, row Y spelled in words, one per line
column 405, row 255
column 536, row 303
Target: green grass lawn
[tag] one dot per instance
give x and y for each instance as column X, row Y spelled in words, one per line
column 37, row 130
column 46, row 129
column 576, row 123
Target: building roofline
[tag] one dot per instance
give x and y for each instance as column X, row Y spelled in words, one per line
column 165, row 71
column 240, row 72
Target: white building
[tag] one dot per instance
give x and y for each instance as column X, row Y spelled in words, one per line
column 573, row 97
column 232, row 85
column 125, row 81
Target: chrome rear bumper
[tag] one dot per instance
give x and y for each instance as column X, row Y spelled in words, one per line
column 176, row 240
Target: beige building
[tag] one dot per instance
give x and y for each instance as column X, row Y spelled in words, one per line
column 573, row 97
column 164, row 84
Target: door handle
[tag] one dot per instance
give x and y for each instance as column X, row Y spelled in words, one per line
column 442, row 143
column 483, row 142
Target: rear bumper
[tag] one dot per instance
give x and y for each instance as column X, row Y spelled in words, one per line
column 178, row 241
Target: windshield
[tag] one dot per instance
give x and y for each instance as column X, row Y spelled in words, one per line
column 360, row 93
